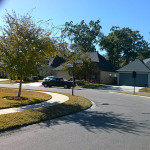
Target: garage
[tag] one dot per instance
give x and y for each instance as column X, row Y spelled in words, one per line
column 127, row 79
column 142, row 69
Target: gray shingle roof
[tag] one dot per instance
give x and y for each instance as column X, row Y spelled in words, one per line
column 101, row 62
column 105, row 65
column 93, row 56
column 137, row 65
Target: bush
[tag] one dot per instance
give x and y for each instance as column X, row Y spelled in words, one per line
column 81, row 82
column 35, row 78
column 31, row 79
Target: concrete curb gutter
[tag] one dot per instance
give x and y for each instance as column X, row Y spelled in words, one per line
column 56, row 99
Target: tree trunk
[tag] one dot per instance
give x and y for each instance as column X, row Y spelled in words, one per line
column 20, row 85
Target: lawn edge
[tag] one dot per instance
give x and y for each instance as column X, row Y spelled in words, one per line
column 42, row 120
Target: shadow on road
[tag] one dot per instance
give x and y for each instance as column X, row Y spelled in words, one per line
column 93, row 121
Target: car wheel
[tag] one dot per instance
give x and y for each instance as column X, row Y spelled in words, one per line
column 45, row 85
column 65, row 86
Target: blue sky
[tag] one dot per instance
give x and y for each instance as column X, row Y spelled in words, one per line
column 134, row 14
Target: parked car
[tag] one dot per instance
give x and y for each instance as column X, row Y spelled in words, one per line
column 57, row 82
column 49, row 78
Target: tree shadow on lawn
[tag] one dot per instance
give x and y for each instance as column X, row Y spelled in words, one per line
column 107, row 122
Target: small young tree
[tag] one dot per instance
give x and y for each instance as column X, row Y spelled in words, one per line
column 24, row 46
column 82, row 65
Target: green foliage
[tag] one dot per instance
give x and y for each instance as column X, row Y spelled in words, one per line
column 83, row 37
column 124, row 45
column 24, row 45
column 82, row 65
column 82, row 82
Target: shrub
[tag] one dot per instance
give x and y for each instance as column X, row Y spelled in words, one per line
column 81, row 82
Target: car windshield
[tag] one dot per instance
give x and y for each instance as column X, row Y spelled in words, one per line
column 50, row 77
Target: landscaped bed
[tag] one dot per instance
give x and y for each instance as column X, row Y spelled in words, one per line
column 7, row 96
column 13, row 120
column 94, row 85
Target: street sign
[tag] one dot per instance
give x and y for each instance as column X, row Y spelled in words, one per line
column 134, row 76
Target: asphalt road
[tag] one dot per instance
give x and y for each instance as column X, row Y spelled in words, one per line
column 116, row 122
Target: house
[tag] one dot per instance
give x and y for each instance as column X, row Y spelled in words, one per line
column 142, row 69
column 105, row 72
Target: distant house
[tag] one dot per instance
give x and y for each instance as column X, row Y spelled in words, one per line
column 105, row 72
column 142, row 69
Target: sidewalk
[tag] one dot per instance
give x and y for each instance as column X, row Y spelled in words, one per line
column 56, row 99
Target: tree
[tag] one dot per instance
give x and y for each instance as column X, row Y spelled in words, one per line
column 124, row 45
column 83, row 37
column 82, row 65
column 24, row 46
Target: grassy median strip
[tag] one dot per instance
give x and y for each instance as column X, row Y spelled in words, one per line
column 147, row 90
column 33, row 97
column 74, row 104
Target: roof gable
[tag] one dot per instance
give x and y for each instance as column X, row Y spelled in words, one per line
column 57, row 61
column 137, row 65
column 93, row 56
column 105, row 65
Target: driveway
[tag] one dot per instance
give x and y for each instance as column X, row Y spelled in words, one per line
column 121, row 88
column 115, row 122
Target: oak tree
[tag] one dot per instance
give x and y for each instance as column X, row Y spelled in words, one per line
column 124, row 45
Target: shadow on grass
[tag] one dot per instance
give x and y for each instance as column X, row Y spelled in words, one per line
column 96, row 121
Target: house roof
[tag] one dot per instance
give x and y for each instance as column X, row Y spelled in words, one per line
column 93, row 56
column 57, row 61
column 58, row 68
column 137, row 65
column 100, row 61
column 105, row 65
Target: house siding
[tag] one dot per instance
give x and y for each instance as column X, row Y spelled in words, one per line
column 105, row 77
column 62, row 74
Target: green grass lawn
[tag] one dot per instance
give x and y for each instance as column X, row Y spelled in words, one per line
column 14, row 81
column 9, row 82
column 13, row 120
column 147, row 90
column 33, row 97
